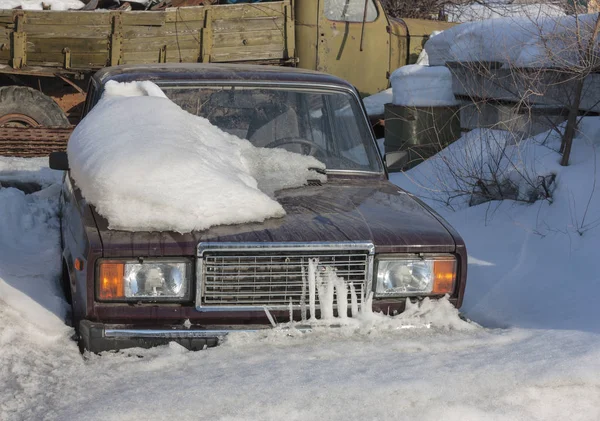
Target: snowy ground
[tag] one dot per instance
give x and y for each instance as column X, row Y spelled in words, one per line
column 534, row 353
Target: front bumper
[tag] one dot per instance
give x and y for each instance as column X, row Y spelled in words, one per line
column 98, row 337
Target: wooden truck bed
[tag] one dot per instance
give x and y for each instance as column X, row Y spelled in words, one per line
column 56, row 42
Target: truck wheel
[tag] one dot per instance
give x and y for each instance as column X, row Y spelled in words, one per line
column 21, row 106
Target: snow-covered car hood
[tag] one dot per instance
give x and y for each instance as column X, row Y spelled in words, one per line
column 340, row 210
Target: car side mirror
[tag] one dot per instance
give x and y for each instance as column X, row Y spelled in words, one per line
column 59, row 161
column 396, row 161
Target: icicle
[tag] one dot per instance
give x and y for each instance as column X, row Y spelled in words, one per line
column 303, row 296
column 312, row 274
column 353, row 300
column 367, row 305
column 270, row 317
column 341, row 293
column 325, row 287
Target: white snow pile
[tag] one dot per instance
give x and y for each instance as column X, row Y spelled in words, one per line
column 530, row 265
column 148, row 165
column 490, row 10
column 417, row 86
column 30, row 248
column 520, row 42
column 492, row 162
column 37, row 4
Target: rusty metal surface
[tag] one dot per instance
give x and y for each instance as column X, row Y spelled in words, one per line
column 33, row 141
column 17, row 120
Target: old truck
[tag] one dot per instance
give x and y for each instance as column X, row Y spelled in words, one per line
column 47, row 57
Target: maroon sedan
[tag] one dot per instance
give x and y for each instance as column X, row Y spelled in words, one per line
column 147, row 288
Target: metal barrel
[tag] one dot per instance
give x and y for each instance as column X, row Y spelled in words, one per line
column 419, row 132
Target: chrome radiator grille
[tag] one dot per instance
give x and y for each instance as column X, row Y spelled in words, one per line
column 274, row 277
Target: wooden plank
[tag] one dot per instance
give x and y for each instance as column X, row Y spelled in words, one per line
column 184, row 42
column 290, row 29
column 172, row 56
column 84, row 45
column 251, row 38
column 221, row 55
column 244, row 12
column 226, row 12
column 253, row 24
column 67, row 31
column 4, row 56
column 116, row 40
column 77, row 60
column 68, row 18
column 166, row 30
column 185, row 14
column 207, row 37
column 18, row 43
column 143, row 18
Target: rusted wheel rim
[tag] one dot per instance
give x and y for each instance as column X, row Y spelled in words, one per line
column 17, row 120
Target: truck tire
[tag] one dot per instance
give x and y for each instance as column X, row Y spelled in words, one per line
column 21, row 106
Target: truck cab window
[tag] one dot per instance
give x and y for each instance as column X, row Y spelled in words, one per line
column 350, row 10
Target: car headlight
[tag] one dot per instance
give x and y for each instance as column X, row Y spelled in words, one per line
column 401, row 277
column 147, row 280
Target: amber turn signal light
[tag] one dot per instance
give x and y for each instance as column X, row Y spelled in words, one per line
column 444, row 272
column 111, row 281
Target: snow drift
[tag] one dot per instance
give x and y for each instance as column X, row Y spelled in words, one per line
column 530, row 265
column 148, row 165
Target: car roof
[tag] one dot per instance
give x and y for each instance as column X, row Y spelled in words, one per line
column 216, row 72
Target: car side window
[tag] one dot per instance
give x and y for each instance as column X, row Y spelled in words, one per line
column 350, row 10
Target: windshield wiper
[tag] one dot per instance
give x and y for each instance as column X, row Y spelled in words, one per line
column 318, row 170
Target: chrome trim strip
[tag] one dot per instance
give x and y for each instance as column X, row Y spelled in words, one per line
column 367, row 246
column 180, row 333
column 352, row 172
column 288, row 246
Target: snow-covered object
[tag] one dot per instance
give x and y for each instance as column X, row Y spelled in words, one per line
column 461, row 13
column 521, row 42
column 422, row 86
column 375, row 104
column 37, row 4
column 148, row 165
column 423, row 58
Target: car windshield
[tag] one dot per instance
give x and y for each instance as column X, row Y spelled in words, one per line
column 326, row 124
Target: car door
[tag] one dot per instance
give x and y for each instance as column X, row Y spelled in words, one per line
column 354, row 43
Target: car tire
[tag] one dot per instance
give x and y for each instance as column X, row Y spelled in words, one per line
column 21, row 106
